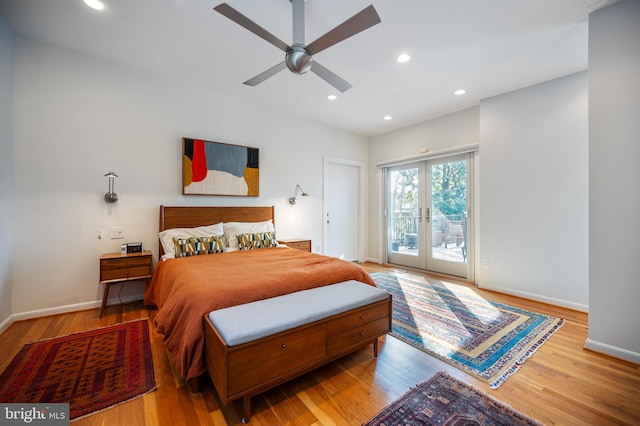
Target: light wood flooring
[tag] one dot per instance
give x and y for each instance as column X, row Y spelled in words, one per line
column 562, row 384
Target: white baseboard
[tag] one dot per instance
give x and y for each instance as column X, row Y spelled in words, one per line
column 6, row 323
column 56, row 310
column 613, row 351
column 59, row 310
column 538, row 298
column 45, row 312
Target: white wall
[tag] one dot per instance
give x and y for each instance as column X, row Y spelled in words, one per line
column 614, row 180
column 76, row 118
column 450, row 131
column 6, row 198
column 534, row 192
column 533, row 186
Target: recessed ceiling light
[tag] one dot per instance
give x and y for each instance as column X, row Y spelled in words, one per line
column 460, row 92
column 94, row 4
column 387, row 117
column 404, row 57
column 332, row 97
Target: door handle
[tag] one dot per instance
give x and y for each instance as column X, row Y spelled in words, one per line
column 427, row 218
column 420, row 214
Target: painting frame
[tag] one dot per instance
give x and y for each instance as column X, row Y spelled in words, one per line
column 220, row 169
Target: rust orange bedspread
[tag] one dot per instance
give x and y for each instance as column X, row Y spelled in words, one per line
column 186, row 289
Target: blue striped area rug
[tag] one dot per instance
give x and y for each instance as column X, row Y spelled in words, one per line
column 486, row 339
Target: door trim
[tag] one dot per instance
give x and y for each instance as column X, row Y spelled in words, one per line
column 429, row 156
column 362, row 201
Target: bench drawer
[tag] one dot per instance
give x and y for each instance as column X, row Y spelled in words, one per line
column 355, row 336
column 358, row 317
column 258, row 362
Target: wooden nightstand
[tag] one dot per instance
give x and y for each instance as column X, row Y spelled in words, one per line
column 297, row 243
column 116, row 268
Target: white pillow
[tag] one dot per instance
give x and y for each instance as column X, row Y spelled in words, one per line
column 231, row 229
column 167, row 236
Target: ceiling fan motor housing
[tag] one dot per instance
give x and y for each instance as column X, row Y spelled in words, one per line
column 298, row 59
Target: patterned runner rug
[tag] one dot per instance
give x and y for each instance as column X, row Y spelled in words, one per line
column 91, row 371
column 444, row 400
column 486, row 339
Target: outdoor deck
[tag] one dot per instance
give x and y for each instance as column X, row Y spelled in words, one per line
column 452, row 254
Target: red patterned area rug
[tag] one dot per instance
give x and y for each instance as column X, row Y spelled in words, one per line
column 91, row 371
column 444, row 400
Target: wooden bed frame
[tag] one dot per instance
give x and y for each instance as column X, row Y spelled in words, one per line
column 347, row 331
column 192, row 216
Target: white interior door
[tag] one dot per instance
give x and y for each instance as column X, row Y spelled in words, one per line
column 342, row 209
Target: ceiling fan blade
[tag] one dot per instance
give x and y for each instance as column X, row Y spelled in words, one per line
column 247, row 23
column 265, row 75
column 330, row 77
column 359, row 22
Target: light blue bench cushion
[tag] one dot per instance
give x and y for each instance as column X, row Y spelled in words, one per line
column 255, row 320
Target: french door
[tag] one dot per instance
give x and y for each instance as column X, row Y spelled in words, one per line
column 427, row 212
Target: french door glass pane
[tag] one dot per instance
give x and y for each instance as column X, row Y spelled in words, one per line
column 449, row 211
column 403, row 209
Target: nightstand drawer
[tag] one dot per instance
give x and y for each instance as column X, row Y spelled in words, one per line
column 126, row 262
column 126, row 273
column 116, row 268
column 298, row 244
column 126, row 266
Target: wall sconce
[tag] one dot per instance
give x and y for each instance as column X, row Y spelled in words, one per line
column 111, row 197
column 292, row 200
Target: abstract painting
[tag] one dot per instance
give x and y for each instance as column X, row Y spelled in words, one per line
column 214, row 168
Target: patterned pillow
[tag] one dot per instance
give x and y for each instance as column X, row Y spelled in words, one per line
column 194, row 246
column 257, row 240
column 183, row 247
column 213, row 244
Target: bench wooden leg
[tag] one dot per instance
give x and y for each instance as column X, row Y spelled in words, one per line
column 375, row 348
column 246, row 408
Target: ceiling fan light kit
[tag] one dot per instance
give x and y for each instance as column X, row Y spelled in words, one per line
column 298, row 56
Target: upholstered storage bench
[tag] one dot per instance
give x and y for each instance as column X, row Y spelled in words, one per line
column 253, row 347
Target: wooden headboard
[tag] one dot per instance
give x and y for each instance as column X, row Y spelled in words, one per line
column 190, row 217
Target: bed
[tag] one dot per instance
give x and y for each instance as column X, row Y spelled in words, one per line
column 187, row 288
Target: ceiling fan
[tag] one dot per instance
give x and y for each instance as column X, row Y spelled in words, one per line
column 299, row 57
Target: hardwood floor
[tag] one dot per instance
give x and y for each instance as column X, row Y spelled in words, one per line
column 562, row 384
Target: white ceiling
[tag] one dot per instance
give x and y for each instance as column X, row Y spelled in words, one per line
column 488, row 47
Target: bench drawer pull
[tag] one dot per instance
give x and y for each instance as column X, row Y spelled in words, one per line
column 284, row 346
column 362, row 318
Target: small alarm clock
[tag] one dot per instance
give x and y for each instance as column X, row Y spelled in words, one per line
column 134, row 247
